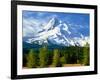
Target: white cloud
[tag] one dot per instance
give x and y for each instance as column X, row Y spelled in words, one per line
column 31, row 26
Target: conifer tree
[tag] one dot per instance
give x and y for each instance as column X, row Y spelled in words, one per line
column 86, row 54
column 63, row 60
column 31, row 59
column 56, row 58
column 43, row 57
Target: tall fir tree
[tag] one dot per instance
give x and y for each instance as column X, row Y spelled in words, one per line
column 63, row 60
column 56, row 58
column 86, row 54
column 31, row 59
column 43, row 57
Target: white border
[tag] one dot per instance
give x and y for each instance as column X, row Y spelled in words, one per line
column 22, row 71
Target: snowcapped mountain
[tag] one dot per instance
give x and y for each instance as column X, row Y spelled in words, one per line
column 57, row 32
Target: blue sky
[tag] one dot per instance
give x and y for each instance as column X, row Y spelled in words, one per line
column 35, row 18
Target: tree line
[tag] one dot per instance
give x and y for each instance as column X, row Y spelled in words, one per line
column 44, row 57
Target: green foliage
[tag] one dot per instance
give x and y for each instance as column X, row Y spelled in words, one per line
column 80, row 56
column 43, row 57
column 86, row 54
column 24, row 59
column 56, row 58
column 63, row 60
column 31, row 59
column 66, row 57
column 50, row 56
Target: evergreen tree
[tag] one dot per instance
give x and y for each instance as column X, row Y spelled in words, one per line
column 24, row 59
column 31, row 59
column 63, row 60
column 43, row 56
column 81, row 55
column 56, row 58
column 86, row 54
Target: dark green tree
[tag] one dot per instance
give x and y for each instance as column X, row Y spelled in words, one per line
column 31, row 59
column 43, row 56
column 56, row 58
column 63, row 60
column 86, row 54
column 24, row 59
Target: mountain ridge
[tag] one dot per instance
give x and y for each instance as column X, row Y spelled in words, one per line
column 58, row 32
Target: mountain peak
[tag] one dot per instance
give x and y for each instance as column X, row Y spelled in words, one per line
column 59, row 33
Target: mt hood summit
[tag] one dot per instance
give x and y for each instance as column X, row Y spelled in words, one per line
column 57, row 32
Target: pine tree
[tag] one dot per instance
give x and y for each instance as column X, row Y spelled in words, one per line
column 86, row 54
column 24, row 59
column 31, row 59
column 63, row 60
column 56, row 58
column 43, row 57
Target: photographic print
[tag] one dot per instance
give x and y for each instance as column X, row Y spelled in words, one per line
column 53, row 39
